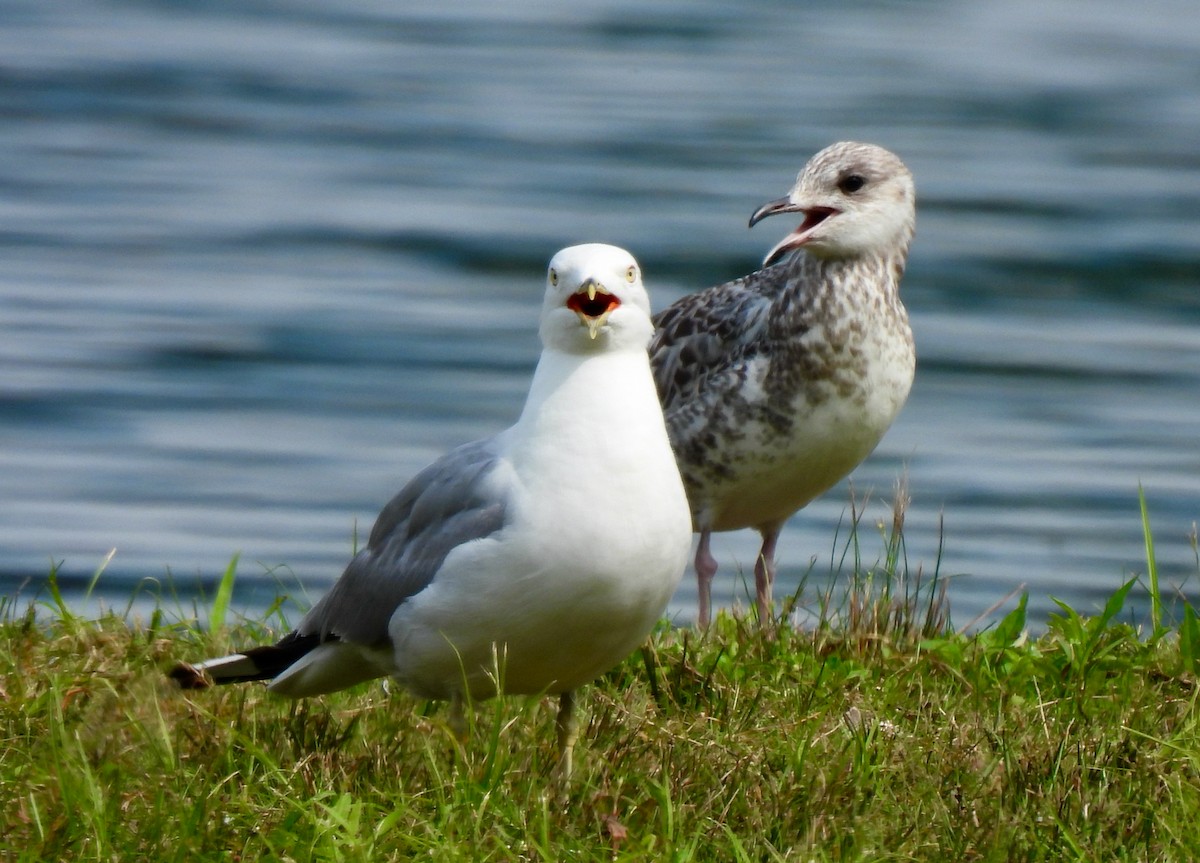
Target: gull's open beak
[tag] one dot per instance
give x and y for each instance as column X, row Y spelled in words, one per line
column 813, row 216
column 593, row 304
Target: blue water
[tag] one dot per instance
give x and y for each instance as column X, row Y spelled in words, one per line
column 261, row 262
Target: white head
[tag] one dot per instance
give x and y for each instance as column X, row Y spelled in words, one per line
column 595, row 301
column 857, row 199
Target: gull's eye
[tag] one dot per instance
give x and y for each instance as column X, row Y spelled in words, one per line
column 553, row 276
column 631, row 274
column 851, row 183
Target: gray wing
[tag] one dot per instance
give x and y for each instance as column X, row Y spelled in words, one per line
column 703, row 334
column 442, row 507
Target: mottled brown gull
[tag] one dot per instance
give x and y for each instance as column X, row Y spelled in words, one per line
column 530, row 562
column 778, row 384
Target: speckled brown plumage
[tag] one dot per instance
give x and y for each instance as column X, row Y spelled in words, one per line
column 776, row 385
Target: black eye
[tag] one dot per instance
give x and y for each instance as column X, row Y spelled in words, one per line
column 851, row 183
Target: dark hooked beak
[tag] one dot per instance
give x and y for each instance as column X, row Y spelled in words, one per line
column 773, row 208
column 813, row 216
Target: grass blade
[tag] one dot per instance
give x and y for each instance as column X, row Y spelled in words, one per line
column 1189, row 640
column 1156, row 610
column 1012, row 626
column 60, row 604
column 87, row 596
column 220, row 607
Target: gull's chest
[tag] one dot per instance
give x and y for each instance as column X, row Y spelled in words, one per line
column 846, row 372
column 795, row 415
column 595, row 478
column 852, row 368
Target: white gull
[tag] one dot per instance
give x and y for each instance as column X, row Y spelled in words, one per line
column 778, row 384
column 530, row 562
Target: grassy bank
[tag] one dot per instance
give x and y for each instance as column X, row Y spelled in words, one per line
column 869, row 742
column 872, row 732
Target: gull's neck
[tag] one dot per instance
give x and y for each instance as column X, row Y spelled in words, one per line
column 569, row 386
column 878, row 272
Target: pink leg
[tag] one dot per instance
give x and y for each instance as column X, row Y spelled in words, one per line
column 706, row 568
column 764, row 572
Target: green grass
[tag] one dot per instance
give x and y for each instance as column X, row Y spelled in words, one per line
column 873, row 732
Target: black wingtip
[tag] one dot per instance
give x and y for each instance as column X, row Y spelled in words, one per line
column 257, row 663
column 189, row 676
